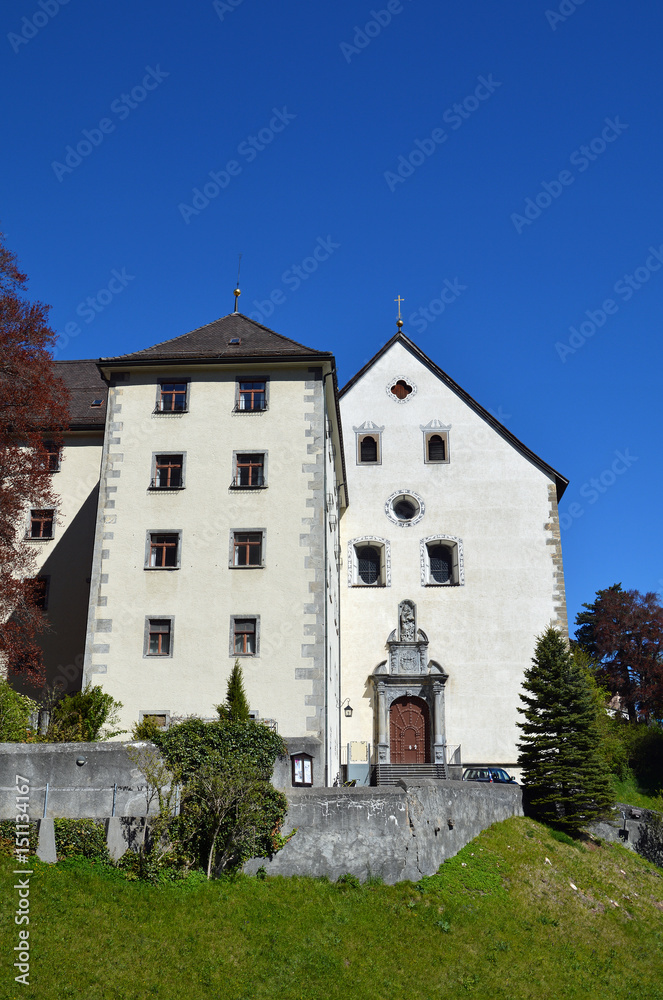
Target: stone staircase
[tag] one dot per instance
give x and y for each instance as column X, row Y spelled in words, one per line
column 390, row 774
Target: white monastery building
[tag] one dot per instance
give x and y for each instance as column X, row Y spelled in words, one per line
column 379, row 559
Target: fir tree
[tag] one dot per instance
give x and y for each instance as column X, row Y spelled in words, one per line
column 565, row 777
column 236, row 705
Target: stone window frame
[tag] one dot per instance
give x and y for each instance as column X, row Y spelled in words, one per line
column 231, row 547
column 153, row 472
column 146, row 638
column 410, row 395
column 385, row 561
column 251, row 378
column 458, row 560
column 172, row 380
column 148, row 543
column 429, row 431
column 231, row 641
column 28, row 528
column 147, row 713
column 368, row 429
column 405, row 494
column 250, row 451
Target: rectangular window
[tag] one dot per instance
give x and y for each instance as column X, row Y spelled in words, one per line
column 244, row 636
column 41, row 523
column 164, row 550
column 251, row 395
column 159, row 630
column 39, row 592
column 168, row 472
column 249, row 469
column 52, row 456
column 172, row 397
column 247, row 548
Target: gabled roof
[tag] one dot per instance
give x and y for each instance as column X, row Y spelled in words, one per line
column 561, row 482
column 213, row 342
column 85, row 384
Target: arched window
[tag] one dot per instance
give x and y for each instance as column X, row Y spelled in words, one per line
column 368, row 449
column 368, row 564
column 436, row 449
column 440, row 561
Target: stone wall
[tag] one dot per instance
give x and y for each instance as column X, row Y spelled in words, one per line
column 396, row 833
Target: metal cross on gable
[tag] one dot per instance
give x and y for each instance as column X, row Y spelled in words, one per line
column 399, row 321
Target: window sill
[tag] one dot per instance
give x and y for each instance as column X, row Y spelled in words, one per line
column 161, row 569
column 169, row 413
column 369, row 586
column 256, row 409
column 250, row 489
column 31, row 538
column 165, row 489
column 232, row 566
column 450, row 584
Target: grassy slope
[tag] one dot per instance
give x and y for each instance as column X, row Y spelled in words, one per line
column 497, row 922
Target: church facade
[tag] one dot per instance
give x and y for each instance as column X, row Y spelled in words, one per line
column 379, row 559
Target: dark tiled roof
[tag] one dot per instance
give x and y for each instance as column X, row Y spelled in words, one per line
column 85, row 384
column 213, row 341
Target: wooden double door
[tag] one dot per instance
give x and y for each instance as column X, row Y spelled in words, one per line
column 409, row 731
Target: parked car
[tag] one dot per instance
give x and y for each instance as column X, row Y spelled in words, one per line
column 496, row 774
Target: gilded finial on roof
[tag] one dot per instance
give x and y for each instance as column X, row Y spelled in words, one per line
column 399, row 321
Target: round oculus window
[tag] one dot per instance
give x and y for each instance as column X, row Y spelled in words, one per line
column 404, row 508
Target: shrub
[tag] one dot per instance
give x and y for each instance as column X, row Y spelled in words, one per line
column 8, row 838
column 650, row 840
column 81, row 837
column 81, row 717
column 15, row 712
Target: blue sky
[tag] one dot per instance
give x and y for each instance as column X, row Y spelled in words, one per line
column 506, row 154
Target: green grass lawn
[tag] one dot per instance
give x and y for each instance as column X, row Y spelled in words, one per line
column 517, row 914
column 629, row 791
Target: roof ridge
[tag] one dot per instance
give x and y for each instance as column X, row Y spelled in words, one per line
column 198, row 329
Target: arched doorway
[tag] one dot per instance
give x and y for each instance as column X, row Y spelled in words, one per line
column 409, row 731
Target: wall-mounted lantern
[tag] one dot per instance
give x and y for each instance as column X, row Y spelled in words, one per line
column 347, row 708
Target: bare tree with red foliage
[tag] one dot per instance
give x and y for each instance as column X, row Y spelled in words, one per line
column 33, row 408
column 623, row 632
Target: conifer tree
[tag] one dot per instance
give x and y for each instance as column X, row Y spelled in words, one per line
column 565, row 777
column 237, row 706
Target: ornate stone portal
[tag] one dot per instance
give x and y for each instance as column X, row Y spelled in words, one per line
column 409, row 673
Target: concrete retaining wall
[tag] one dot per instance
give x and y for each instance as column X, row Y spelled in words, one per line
column 397, row 833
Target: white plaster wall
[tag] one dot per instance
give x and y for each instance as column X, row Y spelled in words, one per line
column 205, row 592
column 496, row 501
column 67, row 558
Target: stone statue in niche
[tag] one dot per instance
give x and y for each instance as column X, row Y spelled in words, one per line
column 407, row 621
